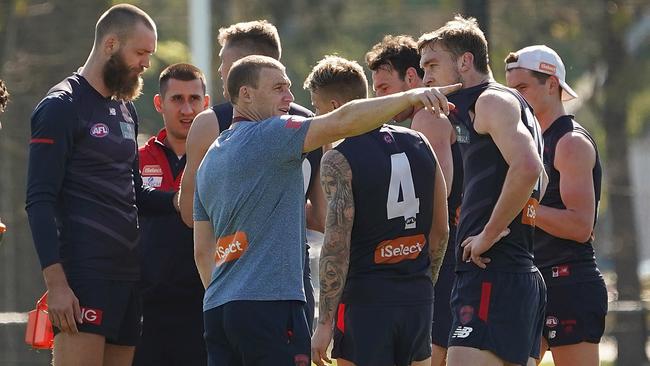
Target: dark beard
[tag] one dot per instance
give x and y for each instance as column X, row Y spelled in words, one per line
column 121, row 80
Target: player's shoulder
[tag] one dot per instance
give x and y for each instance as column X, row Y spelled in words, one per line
column 205, row 122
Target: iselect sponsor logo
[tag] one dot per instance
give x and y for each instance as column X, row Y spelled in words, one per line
column 399, row 249
column 230, row 247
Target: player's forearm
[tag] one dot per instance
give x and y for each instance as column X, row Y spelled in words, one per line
column 359, row 116
column 564, row 223
column 517, row 188
column 54, row 276
column 333, row 271
column 204, row 250
column 186, row 199
column 437, row 248
column 204, row 266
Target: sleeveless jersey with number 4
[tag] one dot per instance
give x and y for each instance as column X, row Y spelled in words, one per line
column 393, row 175
column 485, row 170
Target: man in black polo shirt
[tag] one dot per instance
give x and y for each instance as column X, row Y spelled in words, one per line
column 170, row 281
column 82, row 189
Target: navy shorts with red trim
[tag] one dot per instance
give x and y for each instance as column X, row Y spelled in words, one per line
column 376, row 335
column 575, row 313
column 257, row 333
column 500, row 312
column 441, row 306
column 109, row 308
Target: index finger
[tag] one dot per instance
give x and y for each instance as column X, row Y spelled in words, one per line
column 448, row 89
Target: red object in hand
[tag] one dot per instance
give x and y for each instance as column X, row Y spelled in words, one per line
column 39, row 332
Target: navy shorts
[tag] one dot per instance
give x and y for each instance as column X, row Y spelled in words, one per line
column 257, row 333
column 441, row 307
column 109, row 308
column 500, row 312
column 172, row 335
column 575, row 313
column 373, row 335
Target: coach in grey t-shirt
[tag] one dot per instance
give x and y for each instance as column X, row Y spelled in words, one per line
column 249, row 232
column 252, row 187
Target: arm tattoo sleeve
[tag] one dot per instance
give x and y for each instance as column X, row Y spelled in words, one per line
column 336, row 180
column 437, row 253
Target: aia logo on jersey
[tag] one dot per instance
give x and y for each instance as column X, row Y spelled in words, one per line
column 399, row 249
column 230, row 247
column 91, row 316
column 529, row 212
column 99, row 130
column 552, row 321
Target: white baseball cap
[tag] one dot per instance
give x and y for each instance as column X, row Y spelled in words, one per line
column 543, row 59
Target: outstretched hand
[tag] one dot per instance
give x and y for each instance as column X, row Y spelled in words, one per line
column 433, row 99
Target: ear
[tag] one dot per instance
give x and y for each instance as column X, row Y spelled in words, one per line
column 466, row 61
column 206, row 101
column 111, row 44
column 245, row 94
column 553, row 85
column 157, row 102
column 335, row 103
column 412, row 78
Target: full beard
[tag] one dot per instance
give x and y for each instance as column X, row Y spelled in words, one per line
column 123, row 82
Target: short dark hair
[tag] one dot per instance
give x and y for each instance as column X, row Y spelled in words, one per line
column 540, row 76
column 396, row 52
column 458, row 36
column 180, row 71
column 246, row 71
column 121, row 19
column 258, row 37
column 338, row 76
column 4, row 96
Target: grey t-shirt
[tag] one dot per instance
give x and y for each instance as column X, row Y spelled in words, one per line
column 250, row 187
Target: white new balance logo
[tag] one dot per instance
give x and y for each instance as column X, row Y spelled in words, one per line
column 462, row 332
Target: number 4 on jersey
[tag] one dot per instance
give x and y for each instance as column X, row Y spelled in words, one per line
column 401, row 179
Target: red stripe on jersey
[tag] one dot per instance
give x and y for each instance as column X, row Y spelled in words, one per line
column 484, row 307
column 340, row 321
column 41, row 141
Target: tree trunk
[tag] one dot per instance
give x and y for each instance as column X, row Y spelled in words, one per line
column 630, row 329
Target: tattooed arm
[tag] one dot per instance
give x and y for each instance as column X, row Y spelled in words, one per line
column 439, row 234
column 336, row 180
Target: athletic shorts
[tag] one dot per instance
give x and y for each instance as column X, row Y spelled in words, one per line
column 172, row 335
column 500, row 312
column 374, row 335
column 257, row 333
column 109, row 308
column 575, row 313
column 441, row 307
